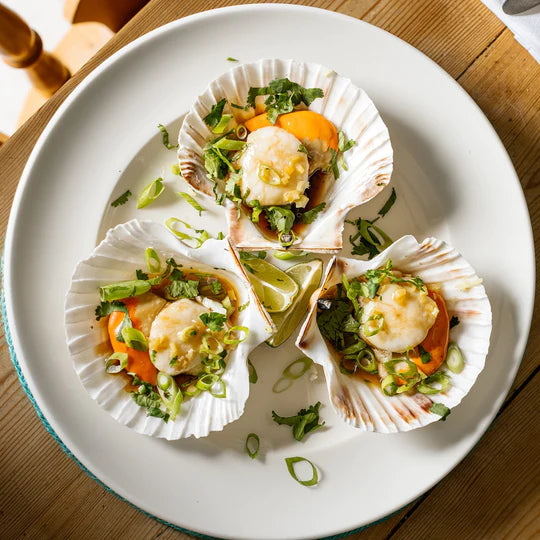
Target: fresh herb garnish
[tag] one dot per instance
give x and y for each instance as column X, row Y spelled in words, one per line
column 388, row 204
column 331, row 321
column 250, row 255
column 425, row 356
column 123, row 199
column 302, row 148
column 106, row 308
column 213, row 321
column 180, row 287
column 454, row 321
column 148, row 399
column 311, row 215
column 216, row 286
column 189, row 199
column 213, row 118
column 442, row 410
column 165, row 138
column 280, row 218
column 283, row 96
column 344, row 144
column 141, row 275
column 243, row 306
column 231, row 59
column 305, row 421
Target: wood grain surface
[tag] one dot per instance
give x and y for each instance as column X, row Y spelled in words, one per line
column 494, row 492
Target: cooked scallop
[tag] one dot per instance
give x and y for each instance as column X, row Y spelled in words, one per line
column 398, row 318
column 176, row 337
column 274, row 169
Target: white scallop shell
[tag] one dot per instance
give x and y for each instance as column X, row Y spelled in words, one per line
column 369, row 161
column 363, row 405
column 116, row 259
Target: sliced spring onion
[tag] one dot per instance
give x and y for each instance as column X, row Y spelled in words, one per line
column 216, row 366
column 373, row 325
column 367, row 361
column 222, row 124
column 152, row 260
column 244, row 306
column 344, row 369
column 227, row 304
column 164, row 381
column 439, row 378
column 134, row 338
column 196, row 241
column 402, row 367
column 291, row 371
column 287, row 239
column 175, row 169
column 211, row 345
column 116, row 362
column 252, row 448
column 241, row 132
column 442, row 410
column 150, row 193
column 253, row 377
column 290, row 254
column 206, row 381
column 126, row 289
column 189, row 199
column 291, row 461
column 389, row 385
column 229, row 144
column 230, row 340
column 170, row 394
column 408, row 385
column 282, row 384
column 454, row 358
column 220, row 236
column 165, row 137
column 218, row 389
column 190, row 390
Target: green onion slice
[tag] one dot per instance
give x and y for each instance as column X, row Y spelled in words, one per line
column 164, row 381
column 150, row 193
column 206, row 381
column 197, row 241
column 402, row 367
column 229, row 144
column 454, row 358
column 116, row 362
column 222, row 124
column 241, row 132
column 152, row 260
column 175, row 169
column 218, row 389
column 189, row 199
column 291, row 461
column 291, row 371
column 210, row 345
column 290, row 254
column 373, row 325
column 441, row 379
column 229, row 340
column 134, row 338
column 253, row 377
column 165, row 137
column 252, row 448
column 389, row 385
column 189, row 389
column 170, row 394
column 367, row 361
column 282, row 384
column 126, row 289
column 287, row 239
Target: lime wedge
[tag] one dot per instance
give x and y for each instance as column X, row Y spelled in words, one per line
column 275, row 289
column 308, row 276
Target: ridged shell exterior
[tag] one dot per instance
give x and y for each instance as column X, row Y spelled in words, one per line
column 363, row 405
column 369, row 161
column 116, row 259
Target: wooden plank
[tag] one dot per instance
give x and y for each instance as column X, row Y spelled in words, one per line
column 494, row 493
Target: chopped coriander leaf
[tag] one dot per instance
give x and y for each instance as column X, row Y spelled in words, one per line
column 454, row 321
column 180, row 287
column 442, row 410
column 243, row 306
column 165, row 138
column 256, row 210
column 282, row 96
column 123, row 199
column 425, row 356
column 311, row 215
column 344, row 144
column 231, row 59
column 369, row 239
column 305, row 421
column 249, row 255
column 244, row 108
column 106, row 308
column 173, row 361
column 141, row 275
column 331, row 321
column 216, row 287
column 213, row 321
column 150, row 401
column 214, row 165
column 280, row 218
column 214, row 116
column 334, row 164
column 388, row 204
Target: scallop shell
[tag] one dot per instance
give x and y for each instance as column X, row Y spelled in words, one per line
column 116, row 259
column 369, row 161
column 363, row 405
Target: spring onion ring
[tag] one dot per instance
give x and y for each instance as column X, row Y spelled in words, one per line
column 256, row 444
column 241, row 132
column 291, row 461
column 373, row 329
column 170, row 394
column 280, row 387
column 454, row 359
column 134, row 338
column 389, row 385
column 210, row 345
column 206, row 381
column 229, row 144
column 439, row 378
column 190, row 200
column 290, row 371
column 116, row 362
column 393, row 367
column 197, row 241
column 218, row 389
column 150, row 193
column 222, row 124
column 229, row 340
column 152, row 260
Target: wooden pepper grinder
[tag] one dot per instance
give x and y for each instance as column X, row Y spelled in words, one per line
column 21, row 47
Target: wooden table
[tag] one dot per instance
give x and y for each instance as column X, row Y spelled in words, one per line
column 495, row 491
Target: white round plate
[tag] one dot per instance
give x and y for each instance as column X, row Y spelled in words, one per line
column 454, row 181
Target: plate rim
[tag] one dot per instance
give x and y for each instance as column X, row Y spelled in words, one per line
column 7, row 308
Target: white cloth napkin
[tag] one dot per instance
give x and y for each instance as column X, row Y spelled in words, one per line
column 525, row 26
